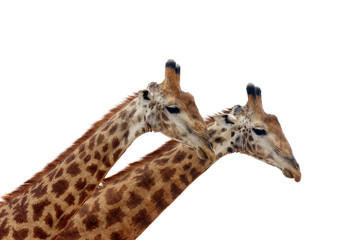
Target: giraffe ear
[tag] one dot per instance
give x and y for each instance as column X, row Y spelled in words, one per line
column 145, row 96
column 225, row 120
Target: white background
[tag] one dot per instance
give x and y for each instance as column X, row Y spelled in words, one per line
column 64, row 64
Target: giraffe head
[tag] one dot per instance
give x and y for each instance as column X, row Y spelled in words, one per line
column 251, row 131
column 174, row 113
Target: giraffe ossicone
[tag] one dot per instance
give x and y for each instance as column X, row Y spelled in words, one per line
column 43, row 206
column 128, row 202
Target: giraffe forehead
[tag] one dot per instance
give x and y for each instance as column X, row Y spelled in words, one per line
column 272, row 122
column 186, row 100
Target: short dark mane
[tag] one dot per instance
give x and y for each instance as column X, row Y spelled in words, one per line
column 210, row 119
column 25, row 186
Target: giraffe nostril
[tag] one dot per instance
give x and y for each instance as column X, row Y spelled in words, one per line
column 211, row 146
column 294, row 163
column 189, row 129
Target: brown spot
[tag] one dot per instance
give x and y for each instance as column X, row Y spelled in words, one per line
column 249, row 147
column 49, row 220
column 145, row 180
column 4, row 230
column 80, row 184
column 70, row 199
column 194, row 173
column 126, row 135
column 124, row 126
column 82, row 197
column 92, row 169
column 190, row 156
column 58, row 211
column 90, row 187
column 20, row 235
column 118, row 235
column 142, row 219
column 117, row 154
column 106, row 161
column 134, row 200
column 105, row 147
column 70, row 158
column 123, row 114
column 82, row 148
column 203, row 161
column 87, row 158
column 187, row 166
column 167, row 173
column 180, row 155
column 158, row 199
column 113, row 129
column 161, row 162
column 64, row 220
column 82, row 155
column 113, row 196
column 40, row 233
column 91, row 222
column 114, row 216
column 219, row 139
column 96, row 207
column 97, row 155
column 175, row 191
column 73, row 169
column 38, row 209
column 100, row 139
column 39, row 191
column 132, row 113
column 20, row 211
column 100, row 175
column 92, row 143
column 229, row 149
column 211, row 133
column 59, row 173
column 3, row 213
column 223, row 129
column 251, row 138
column 184, row 179
column 115, row 142
column 70, row 233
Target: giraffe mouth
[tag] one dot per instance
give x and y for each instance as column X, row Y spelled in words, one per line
column 207, row 153
column 292, row 173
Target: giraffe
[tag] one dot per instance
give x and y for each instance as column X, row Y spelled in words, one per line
column 42, row 207
column 128, row 202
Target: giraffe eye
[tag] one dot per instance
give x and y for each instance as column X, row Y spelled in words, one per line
column 173, row 109
column 259, row 131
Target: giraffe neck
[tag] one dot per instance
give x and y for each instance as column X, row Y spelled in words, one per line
column 131, row 200
column 45, row 208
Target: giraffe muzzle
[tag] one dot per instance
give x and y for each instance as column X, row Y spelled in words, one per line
column 206, row 151
column 292, row 173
